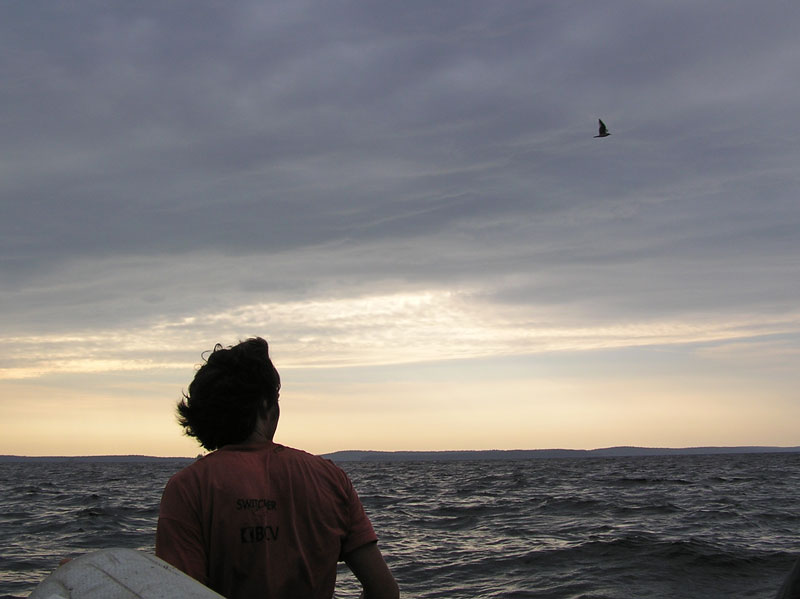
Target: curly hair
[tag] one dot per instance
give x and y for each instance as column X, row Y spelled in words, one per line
column 228, row 394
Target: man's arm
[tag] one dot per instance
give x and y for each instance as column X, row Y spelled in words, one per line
column 182, row 547
column 370, row 568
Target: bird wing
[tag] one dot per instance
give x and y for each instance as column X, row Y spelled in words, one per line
column 603, row 128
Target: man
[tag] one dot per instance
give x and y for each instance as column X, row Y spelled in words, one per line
column 253, row 518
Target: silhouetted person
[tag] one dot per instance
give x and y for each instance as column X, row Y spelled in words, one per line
column 253, row 518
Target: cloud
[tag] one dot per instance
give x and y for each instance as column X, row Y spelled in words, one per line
column 399, row 328
column 164, row 163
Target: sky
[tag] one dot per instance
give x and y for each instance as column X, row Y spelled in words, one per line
column 406, row 199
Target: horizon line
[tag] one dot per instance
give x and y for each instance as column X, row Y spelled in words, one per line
column 740, row 448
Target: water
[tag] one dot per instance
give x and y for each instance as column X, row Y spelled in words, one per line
column 667, row 527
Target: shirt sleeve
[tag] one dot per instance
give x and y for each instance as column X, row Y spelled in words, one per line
column 360, row 531
column 179, row 541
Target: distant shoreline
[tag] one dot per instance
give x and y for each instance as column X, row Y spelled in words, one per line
column 530, row 454
column 6, row 459
column 455, row 455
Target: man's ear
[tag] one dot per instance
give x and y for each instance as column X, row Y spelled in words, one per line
column 267, row 411
column 263, row 409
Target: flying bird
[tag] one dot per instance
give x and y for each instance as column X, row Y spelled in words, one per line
column 603, row 129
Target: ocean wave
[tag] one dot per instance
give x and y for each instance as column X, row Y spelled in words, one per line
column 674, row 528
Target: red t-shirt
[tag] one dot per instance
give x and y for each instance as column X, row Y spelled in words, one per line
column 261, row 521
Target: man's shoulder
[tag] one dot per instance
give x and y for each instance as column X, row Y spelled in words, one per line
column 303, row 461
column 203, row 467
column 301, row 455
column 235, row 458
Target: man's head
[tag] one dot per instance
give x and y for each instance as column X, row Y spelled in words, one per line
column 230, row 392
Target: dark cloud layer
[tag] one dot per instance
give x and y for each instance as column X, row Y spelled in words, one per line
column 400, row 144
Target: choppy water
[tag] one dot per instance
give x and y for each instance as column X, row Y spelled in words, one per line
column 666, row 527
